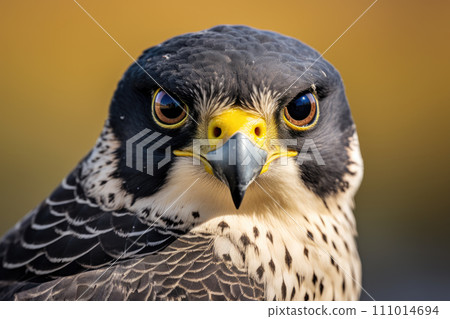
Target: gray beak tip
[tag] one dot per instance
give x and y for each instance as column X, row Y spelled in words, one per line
column 237, row 195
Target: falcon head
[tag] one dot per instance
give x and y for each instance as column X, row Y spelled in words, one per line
column 231, row 144
column 234, row 110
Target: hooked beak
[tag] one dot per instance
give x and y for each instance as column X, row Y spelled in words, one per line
column 238, row 150
column 237, row 163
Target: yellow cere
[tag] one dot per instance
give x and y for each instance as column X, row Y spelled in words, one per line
column 237, row 120
column 226, row 124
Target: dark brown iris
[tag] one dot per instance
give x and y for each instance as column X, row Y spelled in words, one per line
column 167, row 110
column 301, row 111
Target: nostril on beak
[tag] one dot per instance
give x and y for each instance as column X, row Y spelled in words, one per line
column 217, row 131
column 258, row 131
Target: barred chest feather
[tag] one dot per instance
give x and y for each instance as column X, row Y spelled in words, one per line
column 307, row 258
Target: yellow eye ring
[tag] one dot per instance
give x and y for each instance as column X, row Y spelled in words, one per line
column 302, row 113
column 167, row 112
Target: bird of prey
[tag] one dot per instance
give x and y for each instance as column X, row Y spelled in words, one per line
column 226, row 170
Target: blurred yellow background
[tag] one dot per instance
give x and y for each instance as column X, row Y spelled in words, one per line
column 59, row 70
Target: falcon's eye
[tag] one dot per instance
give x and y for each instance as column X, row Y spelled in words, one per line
column 168, row 112
column 302, row 113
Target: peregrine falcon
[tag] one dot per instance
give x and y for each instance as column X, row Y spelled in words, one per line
column 226, row 170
